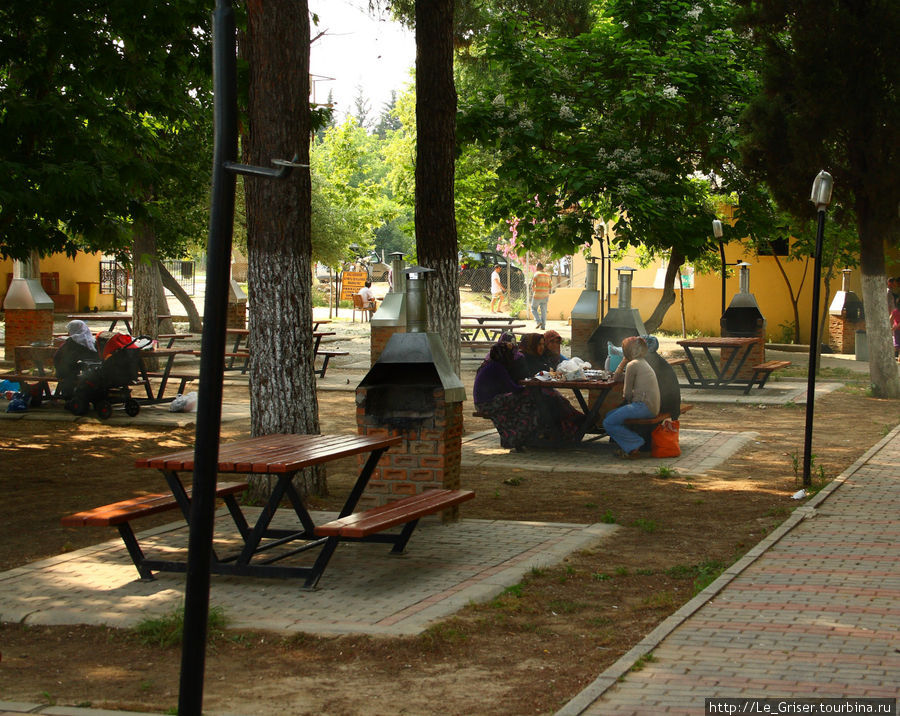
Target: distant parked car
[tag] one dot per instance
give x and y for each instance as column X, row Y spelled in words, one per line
column 378, row 270
column 475, row 268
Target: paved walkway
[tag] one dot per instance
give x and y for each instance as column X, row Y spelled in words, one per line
column 812, row 611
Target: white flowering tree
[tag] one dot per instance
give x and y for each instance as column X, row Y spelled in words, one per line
column 624, row 120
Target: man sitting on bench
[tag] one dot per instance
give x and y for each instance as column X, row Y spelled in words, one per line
column 641, row 395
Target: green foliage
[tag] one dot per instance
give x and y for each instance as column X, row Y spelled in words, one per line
column 474, row 175
column 645, row 525
column 828, row 101
column 103, row 122
column 616, row 121
column 166, row 631
column 702, row 574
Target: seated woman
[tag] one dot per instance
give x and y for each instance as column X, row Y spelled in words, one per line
column 498, row 395
column 80, row 345
column 641, row 394
column 552, row 349
column 532, row 348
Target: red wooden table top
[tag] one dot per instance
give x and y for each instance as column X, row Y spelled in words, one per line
column 277, row 453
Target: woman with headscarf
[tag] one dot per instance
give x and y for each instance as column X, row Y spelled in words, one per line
column 641, row 395
column 498, row 396
column 553, row 349
column 532, row 347
column 80, row 345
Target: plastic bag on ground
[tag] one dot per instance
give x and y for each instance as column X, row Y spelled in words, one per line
column 186, row 403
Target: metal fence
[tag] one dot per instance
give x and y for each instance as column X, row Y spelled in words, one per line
column 116, row 279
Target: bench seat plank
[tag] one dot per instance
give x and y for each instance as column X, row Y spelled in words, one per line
column 126, row 510
column 362, row 524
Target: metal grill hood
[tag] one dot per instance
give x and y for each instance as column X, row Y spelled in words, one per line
column 416, row 359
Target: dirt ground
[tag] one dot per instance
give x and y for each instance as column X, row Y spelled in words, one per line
column 526, row 652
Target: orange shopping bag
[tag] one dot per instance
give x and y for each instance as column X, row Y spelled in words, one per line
column 664, row 439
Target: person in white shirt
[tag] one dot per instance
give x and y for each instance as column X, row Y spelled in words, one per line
column 497, row 291
column 368, row 296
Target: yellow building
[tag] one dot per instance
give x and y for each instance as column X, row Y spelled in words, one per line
column 702, row 293
column 72, row 283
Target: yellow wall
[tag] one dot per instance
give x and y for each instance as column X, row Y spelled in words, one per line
column 84, row 267
column 703, row 302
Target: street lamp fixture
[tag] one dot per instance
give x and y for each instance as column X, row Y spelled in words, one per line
column 821, row 197
column 717, row 232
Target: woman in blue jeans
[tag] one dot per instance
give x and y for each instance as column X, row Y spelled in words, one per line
column 641, row 393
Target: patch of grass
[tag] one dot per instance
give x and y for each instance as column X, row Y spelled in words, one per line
column 703, row 574
column 594, row 505
column 608, row 518
column 445, row 632
column 708, row 572
column 563, row 606
column 601, row 577
column 513, row 481
column 647, row 658
column 537, row 572
column 689, row 486
column 514, row 591
column 665, row 472
column 621, row 571
column 166, row 631
column 645, row 525
column 660, row 600
column 645, row 572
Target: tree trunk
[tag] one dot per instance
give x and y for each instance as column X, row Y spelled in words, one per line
column 146, row 284
column 668, row 294
column 882, row 364
column 436, row 143
column 282, row 383
column 169, row 282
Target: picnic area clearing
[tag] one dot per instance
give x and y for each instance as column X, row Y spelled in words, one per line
column 528, row 651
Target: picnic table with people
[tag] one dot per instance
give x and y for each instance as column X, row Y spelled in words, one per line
column 518, row 387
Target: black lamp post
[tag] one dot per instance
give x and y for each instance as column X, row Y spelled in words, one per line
column 717, row 232
column 821, row 197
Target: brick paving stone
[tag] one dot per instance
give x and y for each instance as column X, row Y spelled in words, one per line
column 815, row 614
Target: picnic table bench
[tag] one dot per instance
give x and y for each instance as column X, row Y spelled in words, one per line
column 280, row 456
column 121, row 514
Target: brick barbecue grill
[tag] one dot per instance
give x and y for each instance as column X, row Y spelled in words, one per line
column 845, row 317
column 28, row 308
column 743, row 319
column 412, row 391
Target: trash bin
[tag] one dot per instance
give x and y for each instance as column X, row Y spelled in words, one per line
column 862, row 346
column 87, row 295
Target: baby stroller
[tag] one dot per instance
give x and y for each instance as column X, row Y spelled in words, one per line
column 103, row 383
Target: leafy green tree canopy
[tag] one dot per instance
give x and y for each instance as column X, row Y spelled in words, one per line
column 96, row 104
column 620, row 120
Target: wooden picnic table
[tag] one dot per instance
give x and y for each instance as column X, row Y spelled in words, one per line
column 471, row 331
column 602, row 388
column 496, row 318
column 280, row 456
column 112, row 316
column 724, row 373
column 41, row 357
